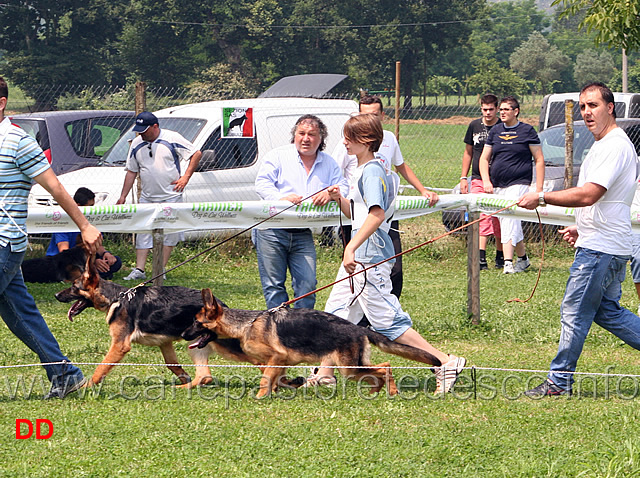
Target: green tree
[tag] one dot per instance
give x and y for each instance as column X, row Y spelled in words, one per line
column 438, row 85
column 411, row 35
column 633, row 79
column 536, row 60
column 591, row 66
column 509, row 24
column 220, row 82
column 490, row 77
column 156, row 50
column 615, row 23
column 59, row 42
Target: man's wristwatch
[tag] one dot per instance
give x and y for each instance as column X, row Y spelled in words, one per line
column 541, row 199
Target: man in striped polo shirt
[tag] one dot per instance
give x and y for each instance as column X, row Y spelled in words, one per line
column 21, row 161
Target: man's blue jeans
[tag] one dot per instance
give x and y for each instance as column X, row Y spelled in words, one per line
column 279, row 249
column 592, row 295
column 20, row 313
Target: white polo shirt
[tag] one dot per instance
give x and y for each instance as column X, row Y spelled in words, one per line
column 159, row 163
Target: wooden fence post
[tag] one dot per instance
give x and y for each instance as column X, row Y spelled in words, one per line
column 141, row 97
column 473, row 270
column 158, row 257
column 397, row 131
column 568, row 144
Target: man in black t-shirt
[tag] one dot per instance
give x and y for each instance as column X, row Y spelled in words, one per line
column 475, row 138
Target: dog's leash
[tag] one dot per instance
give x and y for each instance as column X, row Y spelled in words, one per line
column 289, row 302
column 344, row 246
column 541, row 262
column 131, row 291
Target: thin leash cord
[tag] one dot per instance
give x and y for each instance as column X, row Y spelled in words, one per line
column 541, row 262
column 222, row 242
column 289, row 302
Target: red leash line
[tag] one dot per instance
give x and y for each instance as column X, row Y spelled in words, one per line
column 289, row 302
column 541, row 262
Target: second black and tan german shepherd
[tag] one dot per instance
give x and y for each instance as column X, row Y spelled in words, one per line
column 154, row 316
column 285, row 337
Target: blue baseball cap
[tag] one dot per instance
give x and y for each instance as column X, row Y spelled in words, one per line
column 143, row 121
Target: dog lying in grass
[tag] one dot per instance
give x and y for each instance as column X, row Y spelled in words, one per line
column 286, row 337
column 66, row 266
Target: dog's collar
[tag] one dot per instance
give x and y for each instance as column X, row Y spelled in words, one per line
column 129, row 294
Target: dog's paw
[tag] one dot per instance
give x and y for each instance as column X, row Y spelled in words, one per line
column 263, row 393
column 197, row 382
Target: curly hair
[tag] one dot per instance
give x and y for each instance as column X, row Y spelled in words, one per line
column 313, row 121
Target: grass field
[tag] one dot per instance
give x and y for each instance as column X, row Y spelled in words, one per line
column 137, row 424
column 434, row 152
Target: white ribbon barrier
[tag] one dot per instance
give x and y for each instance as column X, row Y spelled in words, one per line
column 175, row 217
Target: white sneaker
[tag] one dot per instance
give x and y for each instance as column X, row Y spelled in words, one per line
column 521, row 265
column 314, row 380
column 136, row 274
column 508, row 268
column 447, row 374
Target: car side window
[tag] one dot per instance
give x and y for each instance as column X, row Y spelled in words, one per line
column 633, row 132
column 92, row 137
column 556, row 113
column 37, row 129
column 227, row 153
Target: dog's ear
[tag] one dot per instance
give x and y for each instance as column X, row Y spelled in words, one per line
column 90, row 274
column 207, row 298
column 91, row 260
column 210, row 303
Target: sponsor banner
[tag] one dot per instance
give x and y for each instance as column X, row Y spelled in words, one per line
column 175, row 217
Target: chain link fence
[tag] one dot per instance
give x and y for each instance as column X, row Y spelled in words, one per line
column 431, row 136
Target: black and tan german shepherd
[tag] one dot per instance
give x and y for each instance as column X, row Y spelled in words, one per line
column 284, row 337
column 65, row 266
column 154, row 316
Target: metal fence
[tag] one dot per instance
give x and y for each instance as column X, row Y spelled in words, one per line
column 430, row 132
column 431, row 136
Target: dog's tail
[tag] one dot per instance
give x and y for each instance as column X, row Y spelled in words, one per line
column 401, row 350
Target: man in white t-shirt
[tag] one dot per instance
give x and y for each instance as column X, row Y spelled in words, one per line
column 390, row 151
column 156, row 155
column 602, row 237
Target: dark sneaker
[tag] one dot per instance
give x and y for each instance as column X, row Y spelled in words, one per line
column 522, row 265
column 499, row 263
column 62, row 390
column 546, row 389
column 483, row 265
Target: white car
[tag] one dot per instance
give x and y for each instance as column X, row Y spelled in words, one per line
column 229, row 165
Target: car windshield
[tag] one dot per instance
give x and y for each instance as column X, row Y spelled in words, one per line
column 187, row 127
column 552, row 141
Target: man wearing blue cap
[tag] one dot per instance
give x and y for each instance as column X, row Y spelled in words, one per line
column 156, row 155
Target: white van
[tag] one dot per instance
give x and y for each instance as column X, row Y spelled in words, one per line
column 552, row 109
column 229, row 165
